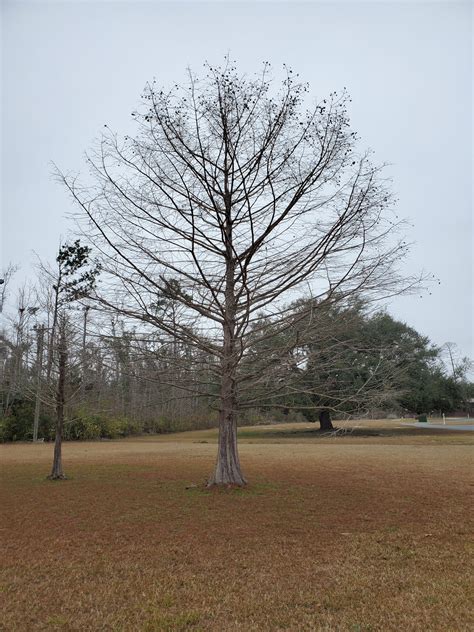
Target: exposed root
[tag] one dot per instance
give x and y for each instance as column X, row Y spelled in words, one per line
column 212, row 484
column 57, row 477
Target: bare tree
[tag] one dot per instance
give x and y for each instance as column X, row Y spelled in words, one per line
column 5, row 344
column 231, row 200
column 39, row 368
column 5, row 280
column 57, row 472
column 75, row 279
column 19, row 346
column 458, row 366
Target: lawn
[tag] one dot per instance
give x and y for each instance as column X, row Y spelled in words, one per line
column 363, row 532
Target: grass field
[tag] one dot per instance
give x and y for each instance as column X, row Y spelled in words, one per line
column 354, row 533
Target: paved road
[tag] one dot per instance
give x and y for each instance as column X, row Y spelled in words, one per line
column 442, row 426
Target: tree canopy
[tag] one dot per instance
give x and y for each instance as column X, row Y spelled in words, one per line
column 234, row 197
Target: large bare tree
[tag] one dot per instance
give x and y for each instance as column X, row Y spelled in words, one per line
column 233, row 198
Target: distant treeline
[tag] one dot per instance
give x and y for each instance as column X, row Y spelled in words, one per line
column 123, row 380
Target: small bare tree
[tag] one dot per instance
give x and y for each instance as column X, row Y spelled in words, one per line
column 75, row 279
column 15, row 369
column 232, row 200
column 57, row 472
column 39, row 329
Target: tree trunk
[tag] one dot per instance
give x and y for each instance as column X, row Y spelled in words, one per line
column 84, row 356
column 57, row 470
column 325, row 420
column 39, row 368
column 49, row 364
column 228, row 471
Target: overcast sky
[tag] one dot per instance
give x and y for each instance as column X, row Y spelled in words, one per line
column 69, row 67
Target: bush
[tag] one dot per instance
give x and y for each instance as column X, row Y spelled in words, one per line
column 17, row 425
column 82, row 428
column 81, row 425
column 119, row 427
column 85, row 427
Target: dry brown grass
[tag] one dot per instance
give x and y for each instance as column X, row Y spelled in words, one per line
column 353, row 534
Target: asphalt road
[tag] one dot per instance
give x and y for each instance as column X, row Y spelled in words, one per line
column 441, row 426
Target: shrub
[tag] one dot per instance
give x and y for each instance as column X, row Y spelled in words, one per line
column 17, row 424
column 85, row 427
column 82, row 428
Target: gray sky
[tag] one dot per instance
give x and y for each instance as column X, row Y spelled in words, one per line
column 69, row 67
